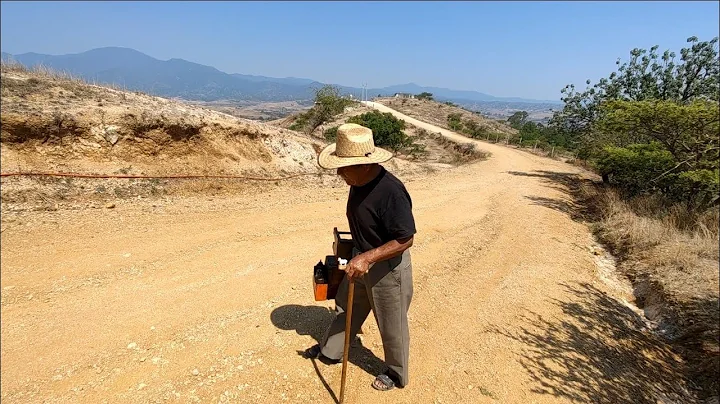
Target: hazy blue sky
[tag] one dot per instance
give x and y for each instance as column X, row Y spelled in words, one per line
column 523, row 49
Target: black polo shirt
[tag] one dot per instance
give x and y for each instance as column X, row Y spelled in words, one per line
column 379, row 211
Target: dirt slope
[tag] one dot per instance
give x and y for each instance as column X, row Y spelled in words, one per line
column 52, row 122
column 436, row 113
column 209, row 300
column 430, row 152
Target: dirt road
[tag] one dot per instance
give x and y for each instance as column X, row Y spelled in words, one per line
column 209, row 300
column 424, row 125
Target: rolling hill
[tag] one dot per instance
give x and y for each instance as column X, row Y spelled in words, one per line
column 135, row 70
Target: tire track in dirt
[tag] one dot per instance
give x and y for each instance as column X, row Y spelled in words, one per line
column 223, row 287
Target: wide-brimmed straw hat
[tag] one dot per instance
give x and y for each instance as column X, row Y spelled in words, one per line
column 354, row 145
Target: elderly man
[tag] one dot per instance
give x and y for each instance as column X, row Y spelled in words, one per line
column 379, row 213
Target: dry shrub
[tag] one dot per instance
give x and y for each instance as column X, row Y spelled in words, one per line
column 675, row 235
column 675, row 252
column 462, row 152
column 12, row 66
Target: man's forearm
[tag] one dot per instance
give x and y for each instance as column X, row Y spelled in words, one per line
column 388, row 250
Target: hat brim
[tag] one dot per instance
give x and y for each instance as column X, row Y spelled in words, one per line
column 328, row 159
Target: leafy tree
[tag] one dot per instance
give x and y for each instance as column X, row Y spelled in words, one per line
column 635, row 168
column 518, row 119
column 455, row 121
column 647, row 75
column 328, row 103
column 425, row 96
column 471, row 126
column 689, row 132
column 387, row 130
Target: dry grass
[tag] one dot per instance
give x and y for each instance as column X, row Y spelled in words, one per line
column 673, row 255
column 73, row 121
column 437, row 113
column 52, row 121
column 48, row 73
column 643, row 224
column 458, row 153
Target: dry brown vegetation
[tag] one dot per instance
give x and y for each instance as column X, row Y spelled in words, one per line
column 430, row 148
column 437, row 113
column 671, row 257
column 446, row 151
column 51, row 119
column 54, row 122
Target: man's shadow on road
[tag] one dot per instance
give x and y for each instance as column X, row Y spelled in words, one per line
column 313, row 321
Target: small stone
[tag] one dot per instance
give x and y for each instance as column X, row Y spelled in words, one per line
column 195, row 372
column 132, row 345
column 152, row 328
column 141, row 386
column 126, row 255
column 143, row 359
column 110, row 205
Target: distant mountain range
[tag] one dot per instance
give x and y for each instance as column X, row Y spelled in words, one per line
column 137, row 71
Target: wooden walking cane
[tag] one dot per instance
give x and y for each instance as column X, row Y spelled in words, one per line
column 348, row 322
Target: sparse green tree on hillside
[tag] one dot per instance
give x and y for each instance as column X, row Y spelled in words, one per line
column 425, row 96
column 517, row 119
column 328, row 103
column 455, row 121
column 388, row 131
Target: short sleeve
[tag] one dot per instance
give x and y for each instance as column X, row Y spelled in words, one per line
column 397, row 217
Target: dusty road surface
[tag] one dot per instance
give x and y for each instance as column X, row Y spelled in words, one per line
column 207, row 300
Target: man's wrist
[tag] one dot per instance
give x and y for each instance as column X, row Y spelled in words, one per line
column 367, row 257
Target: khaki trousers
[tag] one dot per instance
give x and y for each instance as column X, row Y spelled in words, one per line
column 386, row 290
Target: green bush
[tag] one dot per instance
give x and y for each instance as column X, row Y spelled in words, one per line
column 455, row 121
column 300, row 122
column 387, row 129
column 416, row 150
column 636, row 168
column 425, row 96
column 474, row 130
column 331, row 134
column 648, row 168
column 698, row 187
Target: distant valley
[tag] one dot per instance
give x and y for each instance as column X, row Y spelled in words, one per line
column 178, row 78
